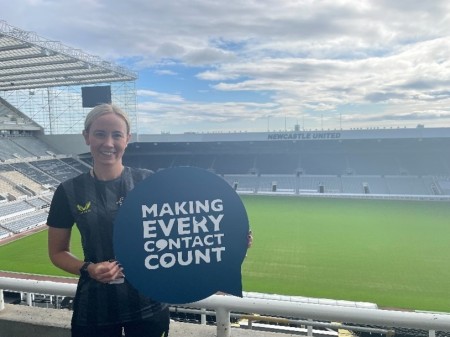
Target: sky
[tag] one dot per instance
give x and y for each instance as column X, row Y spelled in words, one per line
column 254, row 66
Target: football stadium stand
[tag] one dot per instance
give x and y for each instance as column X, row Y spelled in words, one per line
column 389, row 162
column 396, row 163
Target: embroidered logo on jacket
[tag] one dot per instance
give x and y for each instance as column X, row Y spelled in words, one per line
column 84, row 209
column 120, row 201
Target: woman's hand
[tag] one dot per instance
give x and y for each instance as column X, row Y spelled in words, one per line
column 249, row 239
column 106, row 271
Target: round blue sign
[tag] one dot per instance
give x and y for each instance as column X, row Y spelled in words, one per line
column 181, row 236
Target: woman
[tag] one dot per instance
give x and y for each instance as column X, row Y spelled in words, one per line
column 105, row 303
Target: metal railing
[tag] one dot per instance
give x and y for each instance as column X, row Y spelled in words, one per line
column 223, row 305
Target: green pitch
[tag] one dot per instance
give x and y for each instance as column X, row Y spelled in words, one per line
column 392, row 253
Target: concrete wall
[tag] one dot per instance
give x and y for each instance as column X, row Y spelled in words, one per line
column 24, row 321
column 67, row 144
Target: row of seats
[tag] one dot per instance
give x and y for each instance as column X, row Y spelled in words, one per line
column 38, row 173
column 22, row 215
column 36, row 177
column 4, row 233
column 402, row 185
column 57, row 169
column 21, row 224
column 15, row 178
column 35, row 174
column 325, row 158
column 23, row 147
column 25, row 172
column 11, row 209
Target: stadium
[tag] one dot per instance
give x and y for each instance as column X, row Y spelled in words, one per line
column 46, row 90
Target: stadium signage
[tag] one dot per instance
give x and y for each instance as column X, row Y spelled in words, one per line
column 181, row 236
column 303, row 135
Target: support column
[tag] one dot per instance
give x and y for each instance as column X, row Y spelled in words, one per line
column 223, row 322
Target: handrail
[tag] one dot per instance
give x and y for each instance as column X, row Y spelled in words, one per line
column 224, row 304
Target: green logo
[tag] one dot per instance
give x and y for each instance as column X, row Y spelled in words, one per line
column 84, row 209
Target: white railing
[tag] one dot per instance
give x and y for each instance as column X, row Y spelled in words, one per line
column 223, row 305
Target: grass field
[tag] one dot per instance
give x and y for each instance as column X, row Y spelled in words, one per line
column 393, row 253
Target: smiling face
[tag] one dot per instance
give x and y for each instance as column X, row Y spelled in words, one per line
column 107, row 138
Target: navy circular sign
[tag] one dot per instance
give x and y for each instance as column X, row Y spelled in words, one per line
column 181, row 236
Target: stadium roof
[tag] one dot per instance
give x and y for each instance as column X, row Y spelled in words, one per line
column 301, row 136
column 28, row 61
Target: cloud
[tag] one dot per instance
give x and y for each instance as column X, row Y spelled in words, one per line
column 414, row 116
column 165, row 72
column 157, row 116
column 162, row 97
column 385, row 60
column 208, row 56
column 413, row 72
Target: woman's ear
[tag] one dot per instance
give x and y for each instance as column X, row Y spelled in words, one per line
column 86, row 136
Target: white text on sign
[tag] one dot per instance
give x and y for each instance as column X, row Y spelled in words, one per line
column 191, row 231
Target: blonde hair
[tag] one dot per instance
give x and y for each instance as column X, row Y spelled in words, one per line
column 104, row 109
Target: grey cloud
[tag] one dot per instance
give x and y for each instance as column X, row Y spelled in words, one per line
column 179, row 28
column 170, row 50
column 402, row 116
column 428, row 85
column 208, row 56
column 409, row 6
column 377, row 97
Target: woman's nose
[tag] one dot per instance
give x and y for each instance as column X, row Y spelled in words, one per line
column 109, row 140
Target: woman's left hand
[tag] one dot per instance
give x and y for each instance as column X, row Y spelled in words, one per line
column 106, row 271
column 249, row 239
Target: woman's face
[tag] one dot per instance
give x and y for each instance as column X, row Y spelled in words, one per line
column 107, row 139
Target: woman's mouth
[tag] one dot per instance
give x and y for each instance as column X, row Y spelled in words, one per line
column 107, row 153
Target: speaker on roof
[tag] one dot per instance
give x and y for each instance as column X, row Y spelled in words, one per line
column 93, row 96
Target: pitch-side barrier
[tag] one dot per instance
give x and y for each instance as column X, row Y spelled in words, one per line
column 224, row 305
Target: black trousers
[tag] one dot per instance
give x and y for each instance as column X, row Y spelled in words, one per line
column 157, row 326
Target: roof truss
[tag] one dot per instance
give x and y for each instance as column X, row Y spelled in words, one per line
column 28, row 61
